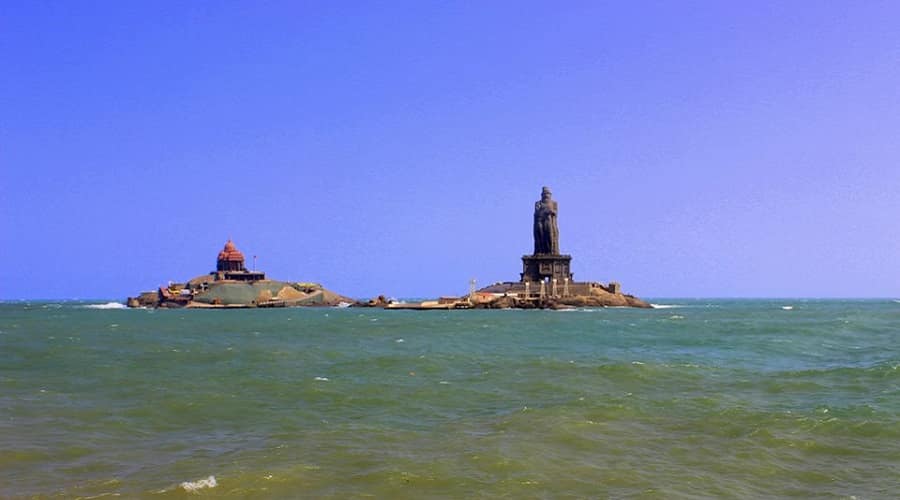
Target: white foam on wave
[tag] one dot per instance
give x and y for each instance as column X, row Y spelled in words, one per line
column 108, row 305
column 665, row 306
column 787, row 308
column 195, row 486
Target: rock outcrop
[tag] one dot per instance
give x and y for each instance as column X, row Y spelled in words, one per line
column 232, row 285
column 579, row 294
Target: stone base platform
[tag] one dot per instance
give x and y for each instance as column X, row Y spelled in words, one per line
column 537, row 267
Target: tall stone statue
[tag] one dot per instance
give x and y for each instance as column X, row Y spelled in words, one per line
column 546, row 263
column 546, row 232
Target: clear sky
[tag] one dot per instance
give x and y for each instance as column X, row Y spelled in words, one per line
column 696, row 149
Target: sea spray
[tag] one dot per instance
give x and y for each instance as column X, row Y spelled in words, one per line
column 108, row 305
column 195, row 486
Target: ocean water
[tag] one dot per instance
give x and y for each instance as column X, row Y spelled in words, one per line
column 702, row 398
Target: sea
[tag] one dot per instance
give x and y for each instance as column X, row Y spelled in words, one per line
column 697, row 398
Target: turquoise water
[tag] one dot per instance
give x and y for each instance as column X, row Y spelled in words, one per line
column 733, row 399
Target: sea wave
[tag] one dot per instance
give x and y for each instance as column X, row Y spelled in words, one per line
column 665, row 306
column 108, row 305
column 194, row 486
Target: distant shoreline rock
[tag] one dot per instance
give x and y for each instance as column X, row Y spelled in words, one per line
column 233, row 294
column 516, row 295
column 233, row 286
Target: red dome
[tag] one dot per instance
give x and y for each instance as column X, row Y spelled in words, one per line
column 231, row 253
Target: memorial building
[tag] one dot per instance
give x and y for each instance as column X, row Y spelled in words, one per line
column 230, row 265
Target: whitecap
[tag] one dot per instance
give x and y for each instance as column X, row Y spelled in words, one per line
column 195, row 486
column 321, row 379
column 399, row 341
column 788, row 308
column 108, row 305
column 665, row 306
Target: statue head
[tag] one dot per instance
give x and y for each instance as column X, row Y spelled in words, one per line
column 545, row 193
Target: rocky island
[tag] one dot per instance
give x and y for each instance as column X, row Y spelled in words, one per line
column 232, row 285
column 546, row 281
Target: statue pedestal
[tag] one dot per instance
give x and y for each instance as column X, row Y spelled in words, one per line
column 539, row 266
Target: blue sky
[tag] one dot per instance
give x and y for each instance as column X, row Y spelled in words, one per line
column 696, row 149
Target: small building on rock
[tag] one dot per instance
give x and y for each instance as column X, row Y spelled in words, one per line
column 230, row 266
